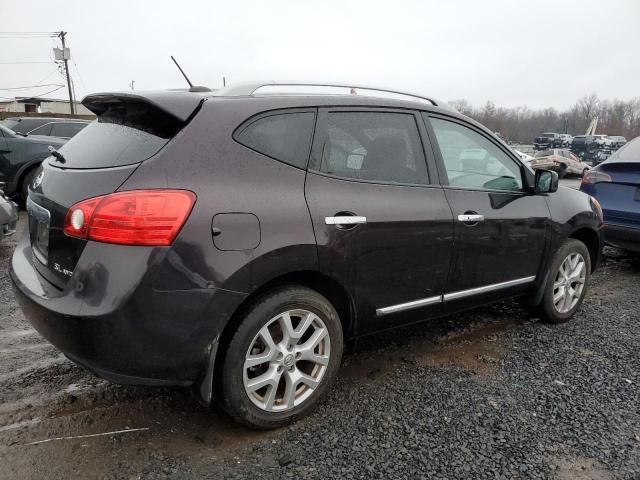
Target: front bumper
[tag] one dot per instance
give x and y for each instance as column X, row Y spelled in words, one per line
column 624, row 237
column 113, row 322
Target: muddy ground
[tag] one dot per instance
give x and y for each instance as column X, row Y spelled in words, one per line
column 489, row 394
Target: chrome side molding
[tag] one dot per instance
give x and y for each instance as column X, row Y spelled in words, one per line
column 345, row 220
column 487, row 288
column 409, row 305
column 447, row 297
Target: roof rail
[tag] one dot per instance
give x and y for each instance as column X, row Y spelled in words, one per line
column 250, row 88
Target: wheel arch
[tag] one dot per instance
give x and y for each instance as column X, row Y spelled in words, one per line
column 591, row 240
column 327, row 286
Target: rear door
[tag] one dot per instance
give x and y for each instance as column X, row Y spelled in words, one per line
column 382, row 225
column 499, row 228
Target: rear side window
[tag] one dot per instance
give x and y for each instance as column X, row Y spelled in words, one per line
column 283, row 136
column 66, row 129
column 374, row 146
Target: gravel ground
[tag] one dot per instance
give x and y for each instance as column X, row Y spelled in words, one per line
column 488, row 394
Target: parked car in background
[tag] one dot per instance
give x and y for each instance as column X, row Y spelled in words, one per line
column 616, row 142
column 8, row 216
column 559, row 160
column 615, row 183
column 24, row 125
column 20, row 156
column 61, row 129
column 232, row 242
column 526, row 158
column 547, row 141
column 565, row 140
column 592, row 149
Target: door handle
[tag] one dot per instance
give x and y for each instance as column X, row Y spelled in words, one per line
column 345, row 220
column 470, row 218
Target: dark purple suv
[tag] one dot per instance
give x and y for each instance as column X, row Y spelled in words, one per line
column 233, row 241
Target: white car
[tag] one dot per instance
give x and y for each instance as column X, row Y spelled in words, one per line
column 562, row 161
column 523, row 156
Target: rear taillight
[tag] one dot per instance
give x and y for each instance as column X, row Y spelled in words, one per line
column 137, row 217
column 595, row 176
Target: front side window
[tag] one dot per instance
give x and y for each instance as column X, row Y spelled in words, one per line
column 374, row 146
column 473, row 161
column 283, row 136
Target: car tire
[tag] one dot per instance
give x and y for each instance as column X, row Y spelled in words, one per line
column 563, row 171
column 293, row 385
column 564, row 292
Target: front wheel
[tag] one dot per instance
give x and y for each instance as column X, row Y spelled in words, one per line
column 566, row 283
column 282, row 358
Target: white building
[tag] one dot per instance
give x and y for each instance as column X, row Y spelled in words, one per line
column 40, row 105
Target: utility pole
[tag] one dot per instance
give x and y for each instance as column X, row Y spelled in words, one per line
column 65, row 59
column 132, row 85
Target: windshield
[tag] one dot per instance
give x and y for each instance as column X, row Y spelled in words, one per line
column 7, row 130
column 10, row 123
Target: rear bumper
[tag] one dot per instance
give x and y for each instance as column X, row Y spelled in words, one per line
column 142, row 336
column 624, row 237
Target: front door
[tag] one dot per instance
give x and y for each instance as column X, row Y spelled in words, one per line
column 383, row 229
column 500, row 233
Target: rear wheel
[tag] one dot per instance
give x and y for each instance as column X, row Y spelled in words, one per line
column 282, row 358
column 563, row 171
column 566, row 283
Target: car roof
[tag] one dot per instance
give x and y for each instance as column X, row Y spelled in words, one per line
column 182, row 103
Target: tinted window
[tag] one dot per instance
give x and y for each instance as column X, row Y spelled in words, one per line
column 66, row 129
column 42, row 130
column 284, row 136
column 472, row 161
column 104, row 144
column 374, row 146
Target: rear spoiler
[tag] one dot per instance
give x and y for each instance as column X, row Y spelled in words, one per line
column 180, row 105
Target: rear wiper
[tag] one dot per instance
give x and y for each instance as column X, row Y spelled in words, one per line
column 59, row 157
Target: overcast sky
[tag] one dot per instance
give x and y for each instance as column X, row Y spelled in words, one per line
column 535, row 53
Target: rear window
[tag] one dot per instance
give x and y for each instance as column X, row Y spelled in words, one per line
column 123, row 135
column 630, row 152
column 543, row 153
column 283, row 136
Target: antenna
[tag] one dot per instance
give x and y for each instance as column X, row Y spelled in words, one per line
column 182, row 72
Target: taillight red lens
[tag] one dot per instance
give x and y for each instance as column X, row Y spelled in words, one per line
column 595, row 176
column 137, row 217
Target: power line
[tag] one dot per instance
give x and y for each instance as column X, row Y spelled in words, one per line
column 46, row 93
column 23, row 63
column 34, row 86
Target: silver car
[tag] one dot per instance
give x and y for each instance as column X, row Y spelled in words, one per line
column 8, row 216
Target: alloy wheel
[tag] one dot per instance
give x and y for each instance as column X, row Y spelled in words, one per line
column 569, row 282
column 286, row 360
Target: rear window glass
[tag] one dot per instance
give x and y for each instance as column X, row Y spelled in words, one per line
column 630, row 152
column 283, row 136
column 105, row 144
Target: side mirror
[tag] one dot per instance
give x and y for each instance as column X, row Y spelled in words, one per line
column 546, row 181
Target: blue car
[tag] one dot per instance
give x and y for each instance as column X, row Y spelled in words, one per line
column 615, row 183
